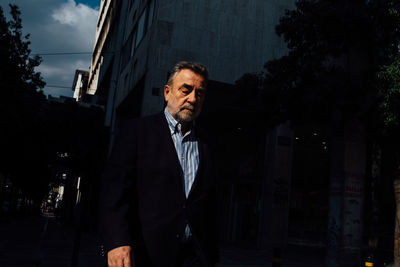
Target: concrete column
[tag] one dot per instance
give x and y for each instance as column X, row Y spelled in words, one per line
column 348, row 165
column 274, row 215
column 335, row 195
column 353, row 193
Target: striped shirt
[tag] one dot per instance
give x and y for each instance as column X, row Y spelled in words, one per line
column 187, row 150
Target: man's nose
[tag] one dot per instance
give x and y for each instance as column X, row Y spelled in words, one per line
column 192, row 97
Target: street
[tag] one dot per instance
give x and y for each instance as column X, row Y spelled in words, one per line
column 44, row 241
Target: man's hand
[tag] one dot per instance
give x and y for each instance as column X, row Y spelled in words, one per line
column 120, row 257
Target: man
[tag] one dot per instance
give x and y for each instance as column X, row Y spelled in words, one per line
column 158, row 198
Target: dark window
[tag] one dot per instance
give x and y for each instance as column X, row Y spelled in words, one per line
column 150, row 14
column 126, row 51
column 141, row 27
column 134, row 16
column 143, row 24
column 130, row 5
column 133, row 42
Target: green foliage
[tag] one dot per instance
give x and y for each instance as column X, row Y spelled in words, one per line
column 389, row 90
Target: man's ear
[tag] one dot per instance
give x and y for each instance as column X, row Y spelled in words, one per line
column 167, row 91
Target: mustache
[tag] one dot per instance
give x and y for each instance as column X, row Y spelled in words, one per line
column 189, row 107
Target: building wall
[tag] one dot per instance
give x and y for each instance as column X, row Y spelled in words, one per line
column 229, row 37
column 110, row 51
column 102, row 30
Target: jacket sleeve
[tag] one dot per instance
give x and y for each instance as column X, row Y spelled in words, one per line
column 117, row 190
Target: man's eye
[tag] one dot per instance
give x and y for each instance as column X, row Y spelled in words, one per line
column 200, row 93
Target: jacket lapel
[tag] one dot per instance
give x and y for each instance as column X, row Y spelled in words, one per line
column 172, row 156
column 201, row 163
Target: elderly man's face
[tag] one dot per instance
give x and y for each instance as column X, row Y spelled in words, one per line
column 185, row 96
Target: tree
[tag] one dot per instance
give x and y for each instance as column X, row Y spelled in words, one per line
column 21, row 99
column 34, row 129
column 389, row 92
column 335, row 50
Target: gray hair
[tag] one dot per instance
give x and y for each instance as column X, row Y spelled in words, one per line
column 193, row 66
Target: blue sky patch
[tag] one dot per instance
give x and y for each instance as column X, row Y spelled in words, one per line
column 91, row 3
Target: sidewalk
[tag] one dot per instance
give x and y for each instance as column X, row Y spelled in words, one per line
column 45, row 241
column 294, row 257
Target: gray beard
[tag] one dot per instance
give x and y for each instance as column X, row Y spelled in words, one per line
column 184, row 119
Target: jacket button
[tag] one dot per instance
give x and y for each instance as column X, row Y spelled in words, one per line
column 177, row 236
column 183, row 206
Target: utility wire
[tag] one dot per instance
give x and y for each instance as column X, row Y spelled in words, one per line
column 58, row 86
column 63, row 53
column 70, row 53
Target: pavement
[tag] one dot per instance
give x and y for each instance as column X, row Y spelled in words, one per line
column 47, row 242
column 44, row 241
column 293, row 256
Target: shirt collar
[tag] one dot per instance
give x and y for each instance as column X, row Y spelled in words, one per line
column 174, row 125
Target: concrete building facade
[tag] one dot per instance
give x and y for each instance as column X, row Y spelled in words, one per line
column 102, row 29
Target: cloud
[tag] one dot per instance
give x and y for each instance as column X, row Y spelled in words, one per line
column 63, row 73
column 58, row 26
column 77, row 21
column 71, row 13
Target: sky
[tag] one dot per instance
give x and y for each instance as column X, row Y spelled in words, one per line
column 59, row 26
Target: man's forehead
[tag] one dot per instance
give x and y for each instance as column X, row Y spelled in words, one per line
column 189, row 73
column 186, row 76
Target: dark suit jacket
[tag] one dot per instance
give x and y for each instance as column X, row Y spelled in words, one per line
column 143, row 202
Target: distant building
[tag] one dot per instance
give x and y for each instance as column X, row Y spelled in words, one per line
column 79, row 85
column 60, row 99
column 102, row 32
